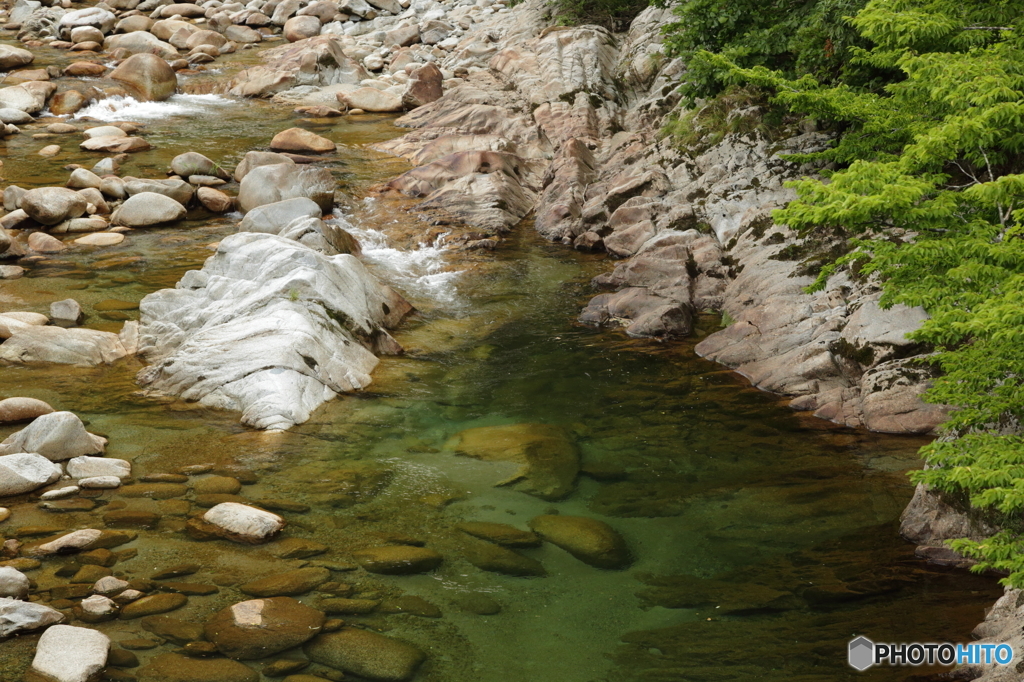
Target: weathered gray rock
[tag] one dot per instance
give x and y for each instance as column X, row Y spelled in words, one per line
column 425, row 86
column 271, row 218
column 71, row 654
column 12, row 57
column 283, row 314
column 97, row 17
column 22, row 616
column 23, row 98
column 366, row 654
column 52, row 205
column 270, row 184
column 56, row 436
column 66, row 313
column 255, row 159
column 141, row 42
column 13, row 583
column 262, row 627
column 75, row 346
column 24, row 472
column 371, row 99
column 148, row 208
column 317, row 61
column 194, row 163
column 176, row 189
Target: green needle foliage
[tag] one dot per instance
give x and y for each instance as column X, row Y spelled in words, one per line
column 930, row 193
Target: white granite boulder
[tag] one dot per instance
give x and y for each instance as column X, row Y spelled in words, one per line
column 24, row 472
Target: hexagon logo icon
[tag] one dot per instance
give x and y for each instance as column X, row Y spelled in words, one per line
column 861, row 654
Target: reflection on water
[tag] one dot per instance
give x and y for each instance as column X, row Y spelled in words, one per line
column 764, row 540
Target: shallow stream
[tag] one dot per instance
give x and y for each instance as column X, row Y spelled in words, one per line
column 763, row 540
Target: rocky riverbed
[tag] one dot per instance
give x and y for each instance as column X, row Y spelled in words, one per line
column 360, row 340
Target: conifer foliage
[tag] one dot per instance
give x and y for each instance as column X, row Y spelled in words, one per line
column 929, row 188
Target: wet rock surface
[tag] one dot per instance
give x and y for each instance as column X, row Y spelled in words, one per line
column 362, row 511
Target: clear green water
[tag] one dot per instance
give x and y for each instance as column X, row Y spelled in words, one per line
column 764, row 540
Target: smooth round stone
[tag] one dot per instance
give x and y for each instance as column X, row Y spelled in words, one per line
column 40, row 242
column 50, row 150
column 367, row 654
column 262, row 627
column 497, row 559
column 398, row 559
column 22, row 409
column 216, row 485
column 299, row 140
column 500, row 533
column 154, row 604
column 156, row 491
column 11, row 271
column 101, row 239
column 589, row 540
column 5, row 514
column 348, row 607
column 290, row 583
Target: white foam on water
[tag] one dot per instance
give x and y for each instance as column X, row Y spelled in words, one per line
column 129, row 108
column 418, row 272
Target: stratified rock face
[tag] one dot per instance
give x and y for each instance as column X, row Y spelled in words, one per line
column 268, row 327
column 313, row 61
column 366, row 654
column 549, row 459
column 71, row 654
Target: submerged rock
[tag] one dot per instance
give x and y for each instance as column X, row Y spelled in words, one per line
column 177, row 668
column 589, row 540
column 367, row 654
column 56, row 436
column 549, row 459
column 490, row 557
column 262, row 627
column 398, row 559
column 287, row 584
